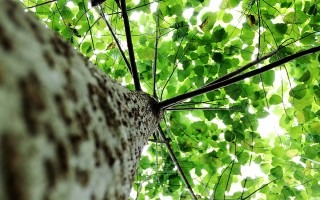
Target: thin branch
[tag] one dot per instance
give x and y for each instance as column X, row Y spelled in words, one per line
column 217, row 184
column 115, row 38
column 40, row 4
column 133, row 8
column 176, row 163
column 247, row 66
column 258, row 189
column 154, row 66
column 229, row 175
column 156, row 141
column 189, row 108
column 175, row 100
column 174, row 68
column 133, row 65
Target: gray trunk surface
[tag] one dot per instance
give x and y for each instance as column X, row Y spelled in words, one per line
column 67, row 131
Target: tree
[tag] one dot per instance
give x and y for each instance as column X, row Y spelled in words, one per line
column 197, row 64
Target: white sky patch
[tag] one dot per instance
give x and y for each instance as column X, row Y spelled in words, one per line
column 136, row 2
column 187, row 13
column 269, row 125
column 193, row 118
column 237, row 17
column 70, row 4
column 135, row 16
column 247, row 171
column 154, row 7
column 219, row 123
column 214, row 5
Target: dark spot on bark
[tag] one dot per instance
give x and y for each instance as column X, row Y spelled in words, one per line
column 83, row 119
column 122, row 197
column 109, row 93
column 11, row 167
column 94, row 107
column 75, row 141
column 119, row 153
column 2, row 75
column 12, row 12
column 126, row 96
column 97, row 158
column 93, row 197
column 96, row 140
column 92, row 92
column 130, row 114
column 62, row 158
column 49, row 132
column 134, row 100
column 32, row 102
column 36, row 31
column 82, row 177
column 84, row 59
column 108, row 154
column 5, row 41
column 125, row 123
column 61, row 47
column 124, row 145
column 108, row 111
column 71, row 93
column 62, row 110
column 119, row 104
column 49, row 60
column 50, row 173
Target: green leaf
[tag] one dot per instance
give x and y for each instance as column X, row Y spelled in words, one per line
column 66, row 13
column 268, row 77
column 208, row 21
column 227, row 18
column 277, row 151
column 217, row 57
column 277, row 172
column 308, row 38
column 146, row 53
column 298, row 92
column 275, row 99
column 296, row 132
column 305, row 77
column 295, row 18
column 281, row 28
column 219, row 34
column 229, row 136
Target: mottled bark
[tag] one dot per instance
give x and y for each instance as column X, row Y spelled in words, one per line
column 67, row 131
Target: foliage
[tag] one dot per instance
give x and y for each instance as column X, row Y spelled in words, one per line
column 218, row 144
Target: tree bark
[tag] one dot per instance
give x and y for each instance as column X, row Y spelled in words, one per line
column 67, row 131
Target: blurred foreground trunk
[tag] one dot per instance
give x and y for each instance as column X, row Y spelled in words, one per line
column 67, row 131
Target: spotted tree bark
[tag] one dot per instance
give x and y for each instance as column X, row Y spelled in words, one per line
column 67, row 131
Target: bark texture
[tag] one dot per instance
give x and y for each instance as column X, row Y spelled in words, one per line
column 67, row 131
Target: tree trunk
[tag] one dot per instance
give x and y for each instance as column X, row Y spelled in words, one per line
column 67, row 131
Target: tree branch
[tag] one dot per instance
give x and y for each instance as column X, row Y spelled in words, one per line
column 154, row 66
column 175, row 100
column 40, row 4
column 133, row 65
column 176, row 163
column 189, row 108
column 115, row 38
column 259, row 189
column 247, row 66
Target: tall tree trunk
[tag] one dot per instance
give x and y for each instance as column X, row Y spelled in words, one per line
column 67, row 131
